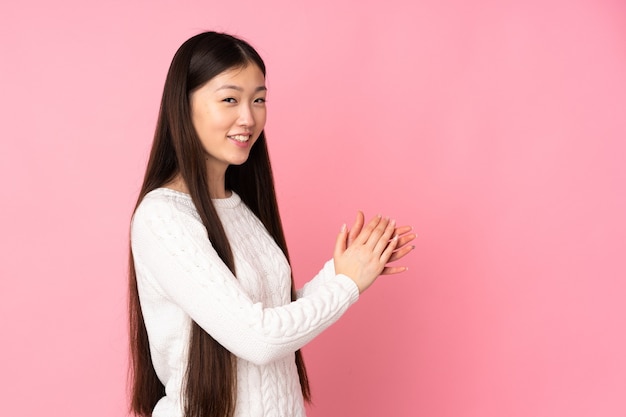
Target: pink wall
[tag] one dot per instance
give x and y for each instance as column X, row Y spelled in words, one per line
column 496, row 128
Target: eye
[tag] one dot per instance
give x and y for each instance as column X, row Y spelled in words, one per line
column 229, row 100
column 260, row 100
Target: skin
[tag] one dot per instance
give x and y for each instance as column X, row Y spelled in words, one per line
column 232, row 105
column 363, row 253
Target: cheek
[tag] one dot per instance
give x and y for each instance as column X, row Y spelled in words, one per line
column 218, row 120
column 261, row 118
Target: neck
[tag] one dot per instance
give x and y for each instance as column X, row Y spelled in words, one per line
column 217, row 185
column 217, row 181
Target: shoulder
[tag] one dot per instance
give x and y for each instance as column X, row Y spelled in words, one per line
column 164, row 201
column 162, row 207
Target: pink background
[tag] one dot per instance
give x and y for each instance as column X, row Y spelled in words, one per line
column 496, row 128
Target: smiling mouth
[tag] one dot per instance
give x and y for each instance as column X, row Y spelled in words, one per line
column 240, row 138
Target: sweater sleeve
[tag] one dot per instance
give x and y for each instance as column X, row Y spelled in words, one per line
column 326, row 273
column 174, row 254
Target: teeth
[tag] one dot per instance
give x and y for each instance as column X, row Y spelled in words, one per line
column 240, row 138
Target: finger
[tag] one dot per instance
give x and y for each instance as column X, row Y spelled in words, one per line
column 400, row 253
column 340, row 244
column 390, row 270
column 400, row 230
column 389, row 250
column 356, row 227
column 364, row 235
column 377, row 233
column 383, row 242
column 403, row 240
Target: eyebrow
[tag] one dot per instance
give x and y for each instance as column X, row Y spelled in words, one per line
column 236, row 87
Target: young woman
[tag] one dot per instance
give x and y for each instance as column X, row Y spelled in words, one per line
column 216, row 324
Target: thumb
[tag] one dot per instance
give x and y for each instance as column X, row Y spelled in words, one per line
column 341, row 243
column 356, row 227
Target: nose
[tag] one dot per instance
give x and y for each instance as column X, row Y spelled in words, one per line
column 246, row 116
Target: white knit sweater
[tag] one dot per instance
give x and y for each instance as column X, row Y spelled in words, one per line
column 180, row 277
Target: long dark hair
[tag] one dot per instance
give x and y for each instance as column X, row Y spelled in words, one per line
column 210, row 380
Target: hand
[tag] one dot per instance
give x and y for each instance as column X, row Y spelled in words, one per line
column 370, row 250
column 401, row 248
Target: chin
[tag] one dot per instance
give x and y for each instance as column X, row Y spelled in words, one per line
column 239, row 161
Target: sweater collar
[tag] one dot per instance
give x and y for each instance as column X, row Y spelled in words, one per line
column 228, row 202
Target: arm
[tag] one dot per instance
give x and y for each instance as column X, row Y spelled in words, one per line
column 172, row 252
column 327, row 273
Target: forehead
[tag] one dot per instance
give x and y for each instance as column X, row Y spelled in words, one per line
column 249, row 76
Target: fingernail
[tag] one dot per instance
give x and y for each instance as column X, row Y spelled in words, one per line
column 343, row 228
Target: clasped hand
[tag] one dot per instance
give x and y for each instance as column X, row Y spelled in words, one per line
column 362, row 253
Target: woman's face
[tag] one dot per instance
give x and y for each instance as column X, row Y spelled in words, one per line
column 228, row 113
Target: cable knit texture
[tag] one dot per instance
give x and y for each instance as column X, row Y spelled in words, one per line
column 181, row 278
